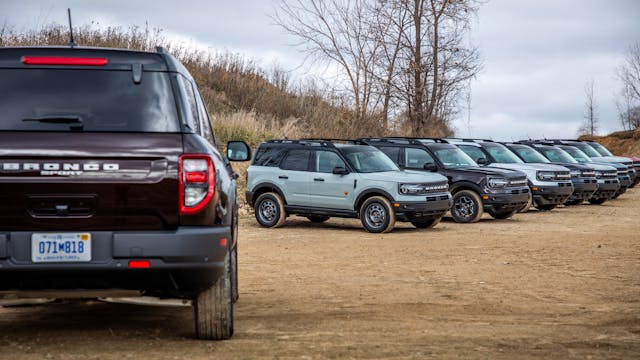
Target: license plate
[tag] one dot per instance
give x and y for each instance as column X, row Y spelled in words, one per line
column 61, row 247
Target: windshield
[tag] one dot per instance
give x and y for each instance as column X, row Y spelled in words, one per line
column 587, row 149
column 601, row 149
column 501, row 154
column 367, row 159
column 86, row 100
column 453, row 158
column 558, row 155
column 577, row 154
column 528, row 154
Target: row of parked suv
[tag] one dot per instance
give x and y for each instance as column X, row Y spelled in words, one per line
column 384, row 180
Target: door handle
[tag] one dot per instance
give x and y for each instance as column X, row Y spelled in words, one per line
column 283, row 177
column 318, row 179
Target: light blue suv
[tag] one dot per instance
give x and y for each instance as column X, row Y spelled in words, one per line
column 319, row 179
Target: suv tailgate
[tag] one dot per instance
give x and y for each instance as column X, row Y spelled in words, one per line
column 89, row 181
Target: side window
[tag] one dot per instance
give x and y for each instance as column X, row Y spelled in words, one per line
column 268, row 156
column 416, row 158
column 326, row 161
column 207, row 130
column 392, row 152
column 191, row 104
column 474, row 152
column 297, row 160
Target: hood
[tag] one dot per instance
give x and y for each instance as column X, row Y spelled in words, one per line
column 618, row 159
column 507, row 173
column 530, row 166
column 615, row 164
column 407, row 176
column 601, row 167
column 572, row 166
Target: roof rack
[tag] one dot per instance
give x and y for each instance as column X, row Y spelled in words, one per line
column 404, row 139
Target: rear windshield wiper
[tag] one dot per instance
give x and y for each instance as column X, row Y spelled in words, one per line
column 74, row 122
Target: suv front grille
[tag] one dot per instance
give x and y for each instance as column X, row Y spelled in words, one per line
column 563, row 175
column 518, row 182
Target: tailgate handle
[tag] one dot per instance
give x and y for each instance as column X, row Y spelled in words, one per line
column 318, row 179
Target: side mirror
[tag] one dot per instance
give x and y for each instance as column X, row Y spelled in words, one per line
column 430, row 167
column 482, row 161
column 340, row 170
column 238, row 151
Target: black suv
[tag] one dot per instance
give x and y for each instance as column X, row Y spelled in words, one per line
column 475, row 189
column 113, row 183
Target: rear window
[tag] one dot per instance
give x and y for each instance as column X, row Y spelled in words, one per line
column 86, row 100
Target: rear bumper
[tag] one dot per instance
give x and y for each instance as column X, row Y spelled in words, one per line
column 552, row 195
column 182, row 262
column 435, row 207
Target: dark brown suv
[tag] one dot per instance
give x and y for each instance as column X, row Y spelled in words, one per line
column 111, row 182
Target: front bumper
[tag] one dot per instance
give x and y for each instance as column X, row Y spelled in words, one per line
column 606, row 189
column 552, row 195
column 583, row 188
column 182, row 262
column 435, row 206
column 513, row 200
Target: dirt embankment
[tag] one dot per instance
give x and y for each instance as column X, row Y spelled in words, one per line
column 621, row 142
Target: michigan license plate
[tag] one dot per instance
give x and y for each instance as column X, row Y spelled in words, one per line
column 63, row 247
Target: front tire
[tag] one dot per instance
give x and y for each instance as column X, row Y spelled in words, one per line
column 377, row 215
column 502, row 214
column 317, row 219
column 528, row 206
column 598, row 201
column 269, row 210
column 213, row 308
column 467, row 207
column 547, row 207
column 426, row 224
column 573, row 202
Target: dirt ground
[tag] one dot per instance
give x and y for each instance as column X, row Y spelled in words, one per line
column 555, row 285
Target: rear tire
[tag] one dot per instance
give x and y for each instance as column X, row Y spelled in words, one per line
column 213, row 308
column 235, row 294
column 467, row 207
column 502, row 214
column 377, row 215
column 318, row 219
column 269, row 210
column 426, row 224
column 598, row 201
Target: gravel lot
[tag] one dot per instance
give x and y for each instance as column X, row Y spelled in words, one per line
column 554, row 285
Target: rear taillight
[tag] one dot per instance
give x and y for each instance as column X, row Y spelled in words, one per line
column 63, row 60
column 196, row 179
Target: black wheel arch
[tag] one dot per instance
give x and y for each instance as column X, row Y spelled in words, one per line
column 266, row 187
column 465, row 185
column 363, row 196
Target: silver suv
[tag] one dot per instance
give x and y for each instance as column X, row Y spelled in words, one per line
column 319, row 179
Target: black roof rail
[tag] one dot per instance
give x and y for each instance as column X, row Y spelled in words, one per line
column 394, row 140
column 302, row 142
column 336, row 140
column 475, row 140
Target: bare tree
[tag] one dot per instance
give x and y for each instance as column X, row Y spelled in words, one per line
column 590, row 126
column 629, row 103
column 402, row 58
column 336, row 30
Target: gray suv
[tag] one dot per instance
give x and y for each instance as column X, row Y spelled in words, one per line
column 319, row 179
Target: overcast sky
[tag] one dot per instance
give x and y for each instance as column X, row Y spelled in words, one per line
column 538, row 54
